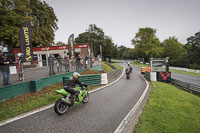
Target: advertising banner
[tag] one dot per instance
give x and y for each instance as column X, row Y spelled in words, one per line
column 25, row 41
column 71, row 49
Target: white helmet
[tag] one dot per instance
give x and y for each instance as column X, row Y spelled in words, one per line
column 128, row 63
column 76, row 75
column 19, row 54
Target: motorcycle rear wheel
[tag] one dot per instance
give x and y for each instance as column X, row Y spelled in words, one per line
column 60, row 107
column 86, row 98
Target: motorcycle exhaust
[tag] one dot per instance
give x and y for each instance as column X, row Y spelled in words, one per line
column 67, row 101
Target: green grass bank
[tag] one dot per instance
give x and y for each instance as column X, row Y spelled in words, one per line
column 169, row 110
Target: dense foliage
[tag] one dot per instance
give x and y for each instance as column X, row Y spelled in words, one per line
column 13, row 13
column 147, row 46
column 193, row 49
column 96, row 38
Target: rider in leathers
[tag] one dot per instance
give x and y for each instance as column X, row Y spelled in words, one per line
column 129, row 69
column 71, row 86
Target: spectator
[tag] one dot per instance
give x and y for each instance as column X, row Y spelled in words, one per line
column 66, row 62
column 86, row 61
column 4, row 68
column 59, row 63
column 51, row 60
column 19, row 66
column 78, row 62
column 91, row 61
column 81, row 62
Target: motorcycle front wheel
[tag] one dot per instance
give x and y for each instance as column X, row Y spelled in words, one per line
column 60, row 107
column 86, row 98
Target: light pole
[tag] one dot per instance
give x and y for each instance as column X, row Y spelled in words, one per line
column 101, row 51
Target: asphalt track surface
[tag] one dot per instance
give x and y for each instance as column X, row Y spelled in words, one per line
column 102, row 114
column 187, row 78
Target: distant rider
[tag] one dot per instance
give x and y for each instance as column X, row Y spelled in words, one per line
column 71, row 86
column 129, row 69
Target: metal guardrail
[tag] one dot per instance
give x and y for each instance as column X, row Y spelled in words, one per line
column 187, row 86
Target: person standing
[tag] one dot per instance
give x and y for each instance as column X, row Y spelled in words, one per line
column 91, row 61
column 51, row 60
column 4, row 68
column 78, row 62
column 66, row 62
column 19, row 66
column 86, row 61
column 60, row 63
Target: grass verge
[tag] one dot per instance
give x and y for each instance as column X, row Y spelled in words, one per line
column 118, row 66
column 138, row 64
column 169, row 110
column 117, row 61
column 106, row 67
column 184, row 72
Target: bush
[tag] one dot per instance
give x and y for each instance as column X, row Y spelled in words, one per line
column 194, row 66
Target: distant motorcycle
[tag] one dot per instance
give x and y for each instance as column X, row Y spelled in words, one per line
column 62, row 104
column 128, row 73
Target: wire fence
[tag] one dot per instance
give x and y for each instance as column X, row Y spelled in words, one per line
column 187, row 86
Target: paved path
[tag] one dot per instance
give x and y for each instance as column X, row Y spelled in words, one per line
column 102, row 114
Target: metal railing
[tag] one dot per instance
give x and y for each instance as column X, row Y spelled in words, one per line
column 187, row 86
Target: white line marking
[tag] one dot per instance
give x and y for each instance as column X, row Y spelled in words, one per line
column 126, row 120
column 108, row 84
column 25, row 115
column 51, row 105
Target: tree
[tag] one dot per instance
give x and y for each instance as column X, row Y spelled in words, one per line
column 96, row 38
column 15, row 12
column 193, row 49
column 174, row 50
column 59, row 43
column 147, row 45
column 128, row 54
column 121, row 50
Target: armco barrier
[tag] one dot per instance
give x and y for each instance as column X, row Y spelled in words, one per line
column 7, row 92
column 93, row 79
column 187, row 86
column 113, row 74
column 147, row 75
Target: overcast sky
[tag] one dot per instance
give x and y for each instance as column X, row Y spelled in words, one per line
column 121, row 19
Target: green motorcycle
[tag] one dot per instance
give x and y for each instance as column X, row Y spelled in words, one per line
column 62, row 104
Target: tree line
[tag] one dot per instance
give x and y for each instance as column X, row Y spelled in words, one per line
column 147, row 46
